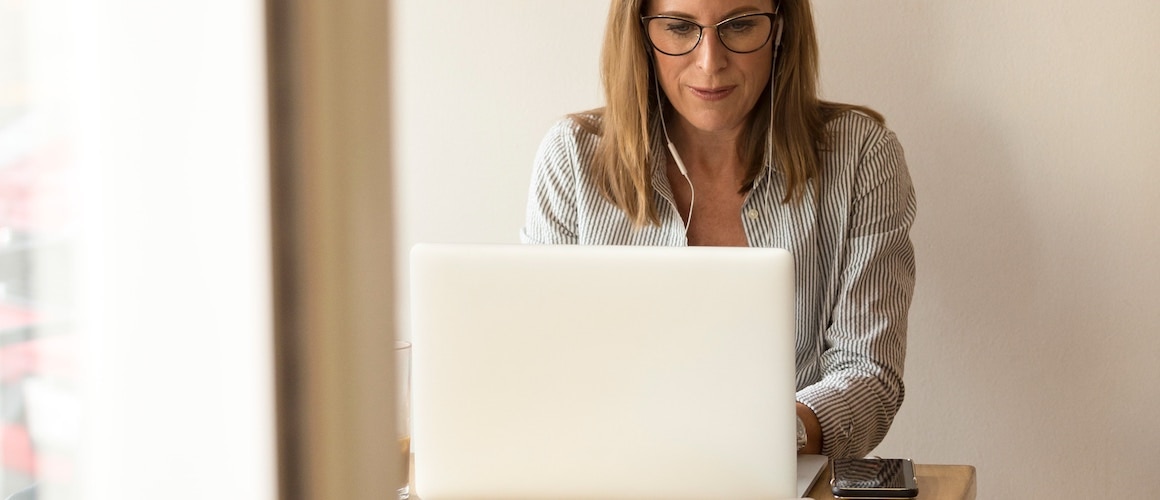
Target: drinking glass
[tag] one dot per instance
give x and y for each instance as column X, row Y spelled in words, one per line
column 403, row 414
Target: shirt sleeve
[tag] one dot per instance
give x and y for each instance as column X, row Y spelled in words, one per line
column 551, row 212
column 861, row 388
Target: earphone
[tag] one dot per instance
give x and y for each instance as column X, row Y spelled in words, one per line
column 773, row 87
column 673, row 149
column 777, row 39
column 664, row 128
column 676, row 155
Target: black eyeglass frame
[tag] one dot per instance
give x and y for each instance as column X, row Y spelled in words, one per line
column 644, row 20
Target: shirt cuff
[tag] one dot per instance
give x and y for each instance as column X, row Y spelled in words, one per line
column 834, row 416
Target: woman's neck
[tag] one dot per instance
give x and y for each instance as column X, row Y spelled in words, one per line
column 708, row 154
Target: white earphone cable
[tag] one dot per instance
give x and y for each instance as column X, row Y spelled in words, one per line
column 673, row 150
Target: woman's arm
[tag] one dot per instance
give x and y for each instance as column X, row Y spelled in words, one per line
column 861, row 388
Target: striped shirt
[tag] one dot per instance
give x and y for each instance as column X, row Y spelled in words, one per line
column 854, row 262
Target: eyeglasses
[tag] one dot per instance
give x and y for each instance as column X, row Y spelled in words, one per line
column 675, row 36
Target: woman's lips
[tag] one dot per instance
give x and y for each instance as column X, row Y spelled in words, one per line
column 711, row 93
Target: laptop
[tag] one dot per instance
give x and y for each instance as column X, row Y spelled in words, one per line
column 603, row 372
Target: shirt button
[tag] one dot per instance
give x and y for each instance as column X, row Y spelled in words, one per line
column 753, row 214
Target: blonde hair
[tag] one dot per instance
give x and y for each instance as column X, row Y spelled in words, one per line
column 631, row 113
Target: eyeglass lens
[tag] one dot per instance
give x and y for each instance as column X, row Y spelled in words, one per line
column 675, row 36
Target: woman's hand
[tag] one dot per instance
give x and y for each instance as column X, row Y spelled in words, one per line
column 813, row 431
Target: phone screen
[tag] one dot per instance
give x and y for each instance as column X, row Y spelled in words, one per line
column 873, row 473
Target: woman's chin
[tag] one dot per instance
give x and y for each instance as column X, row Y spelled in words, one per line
column 715, row 125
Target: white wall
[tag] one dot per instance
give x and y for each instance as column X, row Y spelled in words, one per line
column 1030, row 132
column 477, row 84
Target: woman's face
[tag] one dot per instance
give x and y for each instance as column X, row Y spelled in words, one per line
column 712, row 88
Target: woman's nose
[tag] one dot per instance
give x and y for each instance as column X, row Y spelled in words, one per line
column 711, row 54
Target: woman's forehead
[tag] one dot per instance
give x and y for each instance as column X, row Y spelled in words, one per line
column 706, row 10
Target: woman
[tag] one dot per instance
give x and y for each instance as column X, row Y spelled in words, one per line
column 713, row 134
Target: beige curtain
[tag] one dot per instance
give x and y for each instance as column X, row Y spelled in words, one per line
column 332, row 239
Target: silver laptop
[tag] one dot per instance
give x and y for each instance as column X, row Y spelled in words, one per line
column 603, row 372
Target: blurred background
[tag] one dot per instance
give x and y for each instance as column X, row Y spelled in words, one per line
column 135, row 338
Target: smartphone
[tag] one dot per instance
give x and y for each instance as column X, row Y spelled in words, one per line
column 873, row 478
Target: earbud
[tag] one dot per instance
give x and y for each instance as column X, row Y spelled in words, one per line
column 777, row 39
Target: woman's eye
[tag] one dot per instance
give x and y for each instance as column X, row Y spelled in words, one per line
column 680, row 28
column 740, row 26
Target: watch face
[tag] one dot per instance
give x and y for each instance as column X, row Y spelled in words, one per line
column 801, row 434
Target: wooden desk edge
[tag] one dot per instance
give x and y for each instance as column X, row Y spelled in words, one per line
column 823, row 484
column 948, row 482
column 955, row 473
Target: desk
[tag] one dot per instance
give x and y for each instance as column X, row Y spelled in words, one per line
column 935, row 482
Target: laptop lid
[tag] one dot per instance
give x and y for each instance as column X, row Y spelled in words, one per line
column 602, row 372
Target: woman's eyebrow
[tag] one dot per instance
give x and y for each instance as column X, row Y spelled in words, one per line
column 733, row 13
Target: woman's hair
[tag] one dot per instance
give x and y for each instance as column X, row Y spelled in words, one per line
column 632, row 113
